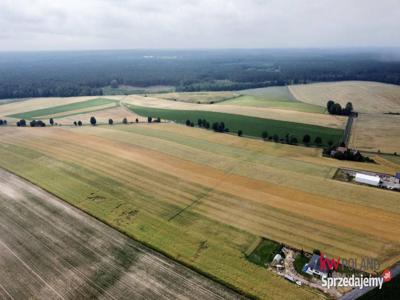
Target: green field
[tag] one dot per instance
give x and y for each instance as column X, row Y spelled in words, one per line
column 250, row 126
column 258, row 101
column 273, row 93
column 273, row 97
column 63, row 108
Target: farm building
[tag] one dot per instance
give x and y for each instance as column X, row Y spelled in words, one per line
column 313, row 267
column 398, row 175
column 368, row 179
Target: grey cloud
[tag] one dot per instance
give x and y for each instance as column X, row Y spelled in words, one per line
column 121, row 24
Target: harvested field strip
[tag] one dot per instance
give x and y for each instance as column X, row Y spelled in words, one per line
column 36, row 229
column 272, row 193
column 261, row 282
column 58, row 110
column 251, row 126
column 222, row 208
column 258, row 101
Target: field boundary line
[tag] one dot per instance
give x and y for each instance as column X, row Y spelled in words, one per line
column 155, row 250
column 30, row 269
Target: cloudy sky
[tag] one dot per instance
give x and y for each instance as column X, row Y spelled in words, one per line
column 127, row 24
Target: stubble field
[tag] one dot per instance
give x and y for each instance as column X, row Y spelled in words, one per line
column 50, row 250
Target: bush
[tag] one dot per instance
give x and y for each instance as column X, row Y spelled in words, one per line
column 79, row 123
column 264, row 135
column 110, row 121
column 137, row 120
column 21, row 123
column 37, row 123
column 240, row 133
column 275, row 137
column 93, row 121
column 293, row 140
column 318, row 140
column 306, row 139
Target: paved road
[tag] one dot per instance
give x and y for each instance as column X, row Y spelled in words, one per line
column 50, row 250
column 356, row 293
column 347, row 131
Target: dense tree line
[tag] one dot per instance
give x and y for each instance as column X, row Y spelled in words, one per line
column 336, row 109
column 66, row 74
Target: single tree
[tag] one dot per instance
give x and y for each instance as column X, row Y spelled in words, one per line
column 293, row 140
column 318, row 140
column 306, row 139
column 329, row 105
column 187, row 122
column 149, row 119
column 275, row 137
column 22, row 123
column 137, row 120
column 264, row 135
column 79, row 123
column 51, row 121
column 215, row 126
column 240, row 132
column 76, row 124
column 158, row 120
column 110, row 121
column 93, row 121
column 200, row 122
column 191, row 124
column 124, row 121
column 348, row 108
column 207, row 125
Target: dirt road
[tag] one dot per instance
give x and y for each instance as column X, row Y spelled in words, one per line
column 50, row 250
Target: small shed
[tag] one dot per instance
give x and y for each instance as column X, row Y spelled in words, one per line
column 368, row 179
column 398, row 175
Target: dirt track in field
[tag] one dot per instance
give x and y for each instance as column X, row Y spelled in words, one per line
column 50, row 250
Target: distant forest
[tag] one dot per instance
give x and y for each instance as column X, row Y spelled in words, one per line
column 45, row 74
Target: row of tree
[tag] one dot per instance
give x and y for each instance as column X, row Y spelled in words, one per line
column 3, row 122
column 288, row 139
column 336, row 109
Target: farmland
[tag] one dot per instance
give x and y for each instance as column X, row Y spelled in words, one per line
column 367, row 97
column 251, row 126
column 198, row 97
column 271, row 113
column 67, row 109
column 273, row 97
column 376, row 132
column 374, row 129
column 204, row 198
column 36, row 229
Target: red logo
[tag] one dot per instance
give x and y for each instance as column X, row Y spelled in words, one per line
column 387, row 275
column 327, row 264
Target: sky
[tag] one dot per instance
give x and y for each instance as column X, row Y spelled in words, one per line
column 28, row 25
